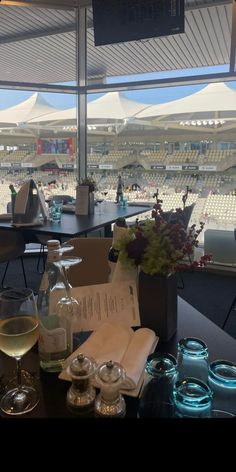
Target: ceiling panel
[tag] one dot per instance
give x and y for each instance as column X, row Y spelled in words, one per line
column 38, row 45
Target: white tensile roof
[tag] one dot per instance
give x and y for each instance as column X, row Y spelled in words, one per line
column 31, row 108
column 217, row 97
column 114, row 106
column 111, row 106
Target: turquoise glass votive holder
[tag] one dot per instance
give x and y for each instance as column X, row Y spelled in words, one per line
column 192, row 399
column 222, row 381
column 192, row 359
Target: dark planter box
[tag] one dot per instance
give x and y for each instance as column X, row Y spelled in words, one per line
column 158, row 304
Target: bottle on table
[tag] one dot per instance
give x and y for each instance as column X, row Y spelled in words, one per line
column 13, row 198
column 120, row 227
column 119, row 191
column 55, row 337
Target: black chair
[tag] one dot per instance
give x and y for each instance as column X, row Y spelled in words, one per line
column 60, row 198
column 233, row 304
column 12, row 246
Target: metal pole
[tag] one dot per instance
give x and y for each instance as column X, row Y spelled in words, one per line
column 81, row 70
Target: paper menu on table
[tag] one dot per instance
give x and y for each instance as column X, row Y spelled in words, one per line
column 116, row 302
column 82, row 200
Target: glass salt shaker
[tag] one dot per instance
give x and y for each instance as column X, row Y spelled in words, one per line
column 109, row 402
column 81, row 395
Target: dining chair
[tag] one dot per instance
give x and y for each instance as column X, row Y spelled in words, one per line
column 12, row 246
column 94, row 268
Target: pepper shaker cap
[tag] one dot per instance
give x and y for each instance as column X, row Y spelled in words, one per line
column 82, row 367
column 110, row 373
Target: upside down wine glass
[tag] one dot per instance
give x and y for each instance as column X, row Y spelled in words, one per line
column 19, row 331
column 68, row 308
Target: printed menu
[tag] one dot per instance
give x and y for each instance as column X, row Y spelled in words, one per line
column 116, row 302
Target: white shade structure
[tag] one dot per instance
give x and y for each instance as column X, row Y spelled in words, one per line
column 112, row 106
column 32, row 108
column 213, row 100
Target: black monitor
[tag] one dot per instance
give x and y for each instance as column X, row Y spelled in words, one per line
column 117, row 21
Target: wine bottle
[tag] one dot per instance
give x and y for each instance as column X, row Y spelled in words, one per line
column 120, row 227
column 54, row 333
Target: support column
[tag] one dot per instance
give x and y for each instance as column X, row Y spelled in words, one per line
column 81, row 71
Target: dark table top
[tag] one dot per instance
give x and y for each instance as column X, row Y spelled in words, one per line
column 53, row 391
column 73, row 225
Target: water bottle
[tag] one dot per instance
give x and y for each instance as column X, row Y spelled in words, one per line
column 54, row 334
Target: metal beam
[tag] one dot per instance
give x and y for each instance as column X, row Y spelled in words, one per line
column 38, row 87
column 81, row 69
column 160, row 83
column 233, row 39
column 39, row 34
column 125, row 86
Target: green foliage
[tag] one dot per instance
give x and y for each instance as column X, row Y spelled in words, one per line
column 160, row 247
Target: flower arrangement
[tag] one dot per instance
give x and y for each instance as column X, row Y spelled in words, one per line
column 161, row 245
column 90, row 183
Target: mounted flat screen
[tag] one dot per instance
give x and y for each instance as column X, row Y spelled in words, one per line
column 117, row 21
column 55, row 146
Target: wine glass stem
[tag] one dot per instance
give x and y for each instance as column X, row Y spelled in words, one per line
column 18, row 371
column 65, row 270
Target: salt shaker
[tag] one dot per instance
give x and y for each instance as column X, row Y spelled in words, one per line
column 81, row 395
column 109, row 402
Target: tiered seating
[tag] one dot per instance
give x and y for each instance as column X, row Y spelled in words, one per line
column 182, row 157
column 221, row 208
column 215, row 156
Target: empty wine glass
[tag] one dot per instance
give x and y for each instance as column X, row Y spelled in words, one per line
column 19, row 331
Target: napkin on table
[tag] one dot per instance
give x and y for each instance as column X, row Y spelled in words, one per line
column 122, row 344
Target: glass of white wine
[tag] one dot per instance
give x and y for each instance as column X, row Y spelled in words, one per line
column 19, row 331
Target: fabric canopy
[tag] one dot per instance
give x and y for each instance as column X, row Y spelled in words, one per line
column 214, row 98
column 111, row 106
column 33, row 107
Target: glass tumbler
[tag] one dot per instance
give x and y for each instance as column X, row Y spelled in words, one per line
column 192, row 359
column 192, row 399
column 222, row 381
column 156, row 398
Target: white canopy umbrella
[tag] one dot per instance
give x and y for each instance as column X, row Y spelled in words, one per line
column 32, row 108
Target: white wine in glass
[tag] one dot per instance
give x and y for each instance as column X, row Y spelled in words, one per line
column 19, row 331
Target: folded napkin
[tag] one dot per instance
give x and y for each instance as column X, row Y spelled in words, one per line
column 122, row 344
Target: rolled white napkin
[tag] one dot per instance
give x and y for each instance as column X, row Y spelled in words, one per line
column 121, row 344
